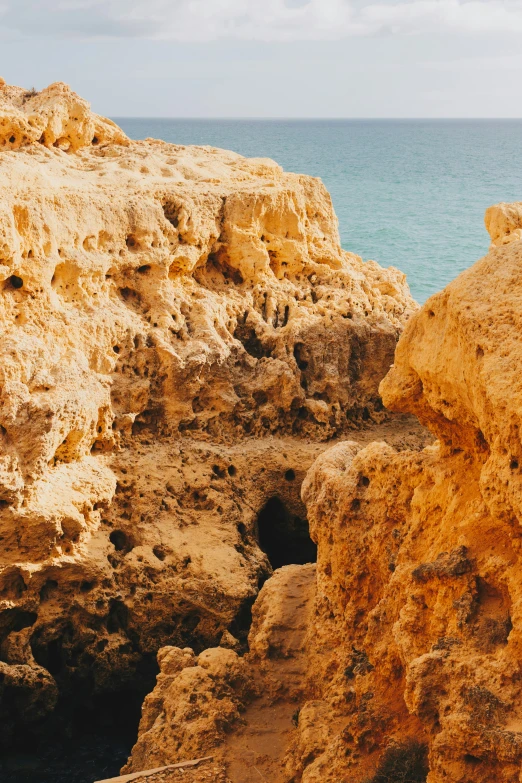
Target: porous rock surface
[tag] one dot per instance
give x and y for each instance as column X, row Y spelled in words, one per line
column 504, row 223
column 417, row 633
column 181, row 333
column 194, row 704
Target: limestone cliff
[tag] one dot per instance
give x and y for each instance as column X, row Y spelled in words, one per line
column 408, row 668
column 417, row 635
column 167, row 314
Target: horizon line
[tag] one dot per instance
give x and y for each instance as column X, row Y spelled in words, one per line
column 317, row 119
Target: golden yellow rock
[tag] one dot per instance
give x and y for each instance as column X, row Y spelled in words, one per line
column 417, row 636
column 194, row 704
column 504, row 223
column 54, row 117
column 180, row 333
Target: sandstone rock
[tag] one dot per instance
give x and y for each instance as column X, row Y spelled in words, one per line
column 504, row 223
column 55, row 117
column 191, row 707
column 418, row 630
column 180, row 333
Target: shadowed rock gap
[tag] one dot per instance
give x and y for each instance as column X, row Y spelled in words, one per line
column 284, row 537
column 91, row 739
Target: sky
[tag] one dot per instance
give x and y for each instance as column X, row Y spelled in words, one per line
column 271, row 58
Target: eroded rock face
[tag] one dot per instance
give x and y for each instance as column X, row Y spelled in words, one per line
column 54, row 117
column 504, row 223
column 167, row 313
column 194, row 704
column 419, row 565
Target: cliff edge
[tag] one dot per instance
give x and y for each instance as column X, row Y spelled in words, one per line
column 181, row 334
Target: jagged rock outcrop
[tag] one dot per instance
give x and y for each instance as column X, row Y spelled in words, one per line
column 239, row 710
column 54, row 117
column 417, row 634
column 160, row 306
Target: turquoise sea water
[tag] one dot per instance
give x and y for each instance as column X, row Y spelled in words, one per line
column 408, row 193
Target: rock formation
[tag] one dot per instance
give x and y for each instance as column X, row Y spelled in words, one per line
column 411, row 669
column 181, row 333
column 417, row 634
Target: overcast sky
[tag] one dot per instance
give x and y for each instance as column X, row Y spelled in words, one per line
column 272, row 58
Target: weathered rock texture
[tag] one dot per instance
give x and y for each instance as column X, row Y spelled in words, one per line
column 242, row 711
column 504, row 223
column 418, row 621
column 194, row 704
column 159, row 305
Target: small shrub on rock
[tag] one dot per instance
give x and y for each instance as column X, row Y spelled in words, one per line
column 406, row 762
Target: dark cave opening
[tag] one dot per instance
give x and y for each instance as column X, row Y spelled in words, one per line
column 284, row 537
column 88, row 737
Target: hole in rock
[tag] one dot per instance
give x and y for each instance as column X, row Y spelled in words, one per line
column 14, row 282
column 240, row 626
column 300, row 361
column 473, row 760
column 13, row 620
column 90, row 733
column 252, row 344
column 47, row 589
column 171, row 211
column 118, row 617
column 284, row 537
column 120, row 541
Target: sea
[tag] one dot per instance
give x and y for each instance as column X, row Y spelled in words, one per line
column 408, row 193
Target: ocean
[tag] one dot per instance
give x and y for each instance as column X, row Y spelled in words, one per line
column 408, row 193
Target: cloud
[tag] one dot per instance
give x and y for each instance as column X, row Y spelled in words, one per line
column 264, row 20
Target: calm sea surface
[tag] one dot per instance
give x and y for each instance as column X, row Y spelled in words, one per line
column 408, row 193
